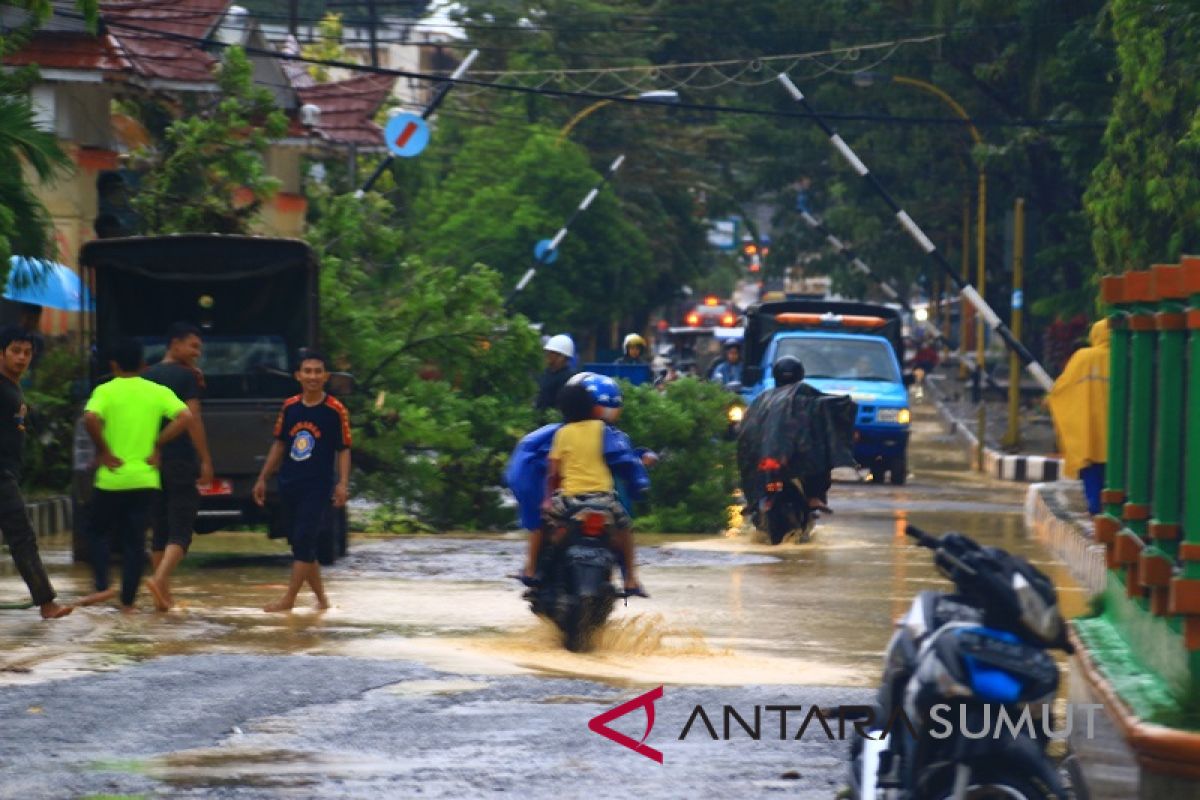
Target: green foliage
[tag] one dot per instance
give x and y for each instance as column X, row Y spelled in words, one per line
column 446, row 374
column 48, row 447
column 25, row 226
column 692, row 486
column 328, row 46
column 495, row 216
column 1144, row 200
column 210, row 174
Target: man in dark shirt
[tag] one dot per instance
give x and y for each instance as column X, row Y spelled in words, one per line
column 185, row 462
column 16, row 352
column 559, row 351
column 312, row 434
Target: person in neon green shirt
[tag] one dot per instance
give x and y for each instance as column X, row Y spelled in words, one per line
column 123, row 417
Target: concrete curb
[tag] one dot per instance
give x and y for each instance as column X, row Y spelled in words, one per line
column 49, row 516
column 1005, row 467
column 1065, row 534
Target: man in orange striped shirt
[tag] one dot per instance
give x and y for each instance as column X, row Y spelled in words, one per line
column 312, row 435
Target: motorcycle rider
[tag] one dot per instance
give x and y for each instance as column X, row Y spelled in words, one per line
column 634, row 348
column 788, row 370
column 560, row 351
column 526, row 472
column 730, row 370
column 578, row 472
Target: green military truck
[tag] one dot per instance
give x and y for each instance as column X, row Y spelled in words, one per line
column 256, row 301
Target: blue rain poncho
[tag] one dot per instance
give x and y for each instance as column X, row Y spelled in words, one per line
column 527, row 467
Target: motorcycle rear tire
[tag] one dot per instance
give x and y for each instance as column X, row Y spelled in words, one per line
column 1028, row 778
column 578, row 624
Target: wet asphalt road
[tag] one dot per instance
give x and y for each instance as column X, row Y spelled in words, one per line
column 429, row 677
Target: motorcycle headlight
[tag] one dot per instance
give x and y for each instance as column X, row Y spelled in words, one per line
column 897, row 416
column 735, row 413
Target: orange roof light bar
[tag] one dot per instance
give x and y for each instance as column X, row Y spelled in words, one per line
column 845, row 320
column 711, row 300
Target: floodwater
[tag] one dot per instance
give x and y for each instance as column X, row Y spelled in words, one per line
column 429, row 630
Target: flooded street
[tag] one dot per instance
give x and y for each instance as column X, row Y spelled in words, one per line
column 429, row 676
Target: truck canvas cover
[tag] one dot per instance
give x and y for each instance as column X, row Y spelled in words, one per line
column 761, row 325
column 228, row 285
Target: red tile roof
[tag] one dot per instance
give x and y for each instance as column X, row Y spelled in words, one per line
column 347, row 108
column 73, row 51
column 145, row 29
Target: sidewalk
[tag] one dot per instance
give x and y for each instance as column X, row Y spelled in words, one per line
column 1056, row 515
column 1035, row 460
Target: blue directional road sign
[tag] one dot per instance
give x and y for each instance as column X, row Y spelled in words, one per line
column 543, row 253
column 406, row 135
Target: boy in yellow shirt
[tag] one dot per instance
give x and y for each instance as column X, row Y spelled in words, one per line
column 578, row 474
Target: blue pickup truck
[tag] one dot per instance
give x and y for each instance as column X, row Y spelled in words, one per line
column 846, row 348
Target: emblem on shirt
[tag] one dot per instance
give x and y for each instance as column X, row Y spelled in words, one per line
column 302, row 446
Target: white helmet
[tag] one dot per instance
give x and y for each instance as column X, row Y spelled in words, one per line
column 560, row 344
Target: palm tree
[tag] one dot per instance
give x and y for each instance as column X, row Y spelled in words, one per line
column 25, row 226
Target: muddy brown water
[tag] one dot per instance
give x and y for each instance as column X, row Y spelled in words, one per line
column 725, row 610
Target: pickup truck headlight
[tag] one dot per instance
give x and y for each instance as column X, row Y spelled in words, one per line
column 898, row 416
column 735, row 413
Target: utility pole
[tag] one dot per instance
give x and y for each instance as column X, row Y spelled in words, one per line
column 905, row 221
column 372, row 23
column 552, row 247
column 438, row 96
column 293, row 14
column 1013, row 437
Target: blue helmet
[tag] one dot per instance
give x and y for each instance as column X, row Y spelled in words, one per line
column 604, row 390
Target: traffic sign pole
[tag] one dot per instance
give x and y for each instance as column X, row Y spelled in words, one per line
column 549, row 249
column 436, row 101
column 972, row 295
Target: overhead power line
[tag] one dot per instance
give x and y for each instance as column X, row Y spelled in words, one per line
column 1042, row 124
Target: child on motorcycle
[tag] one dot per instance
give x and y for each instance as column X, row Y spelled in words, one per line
column 527, row 470
column 578, row 473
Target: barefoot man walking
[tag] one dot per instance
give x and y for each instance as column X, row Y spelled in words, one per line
column 185, row 463
column 124, row 419
column 16, row 351
column 312, row 433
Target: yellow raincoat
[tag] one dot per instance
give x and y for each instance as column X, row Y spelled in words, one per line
column 1079, row 404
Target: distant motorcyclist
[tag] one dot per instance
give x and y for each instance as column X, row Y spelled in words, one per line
column 797, row 425
column 730, row 370
column 634, row 348
column 559, row 351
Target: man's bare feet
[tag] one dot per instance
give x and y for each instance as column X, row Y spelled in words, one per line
column 323, row 603
column 98, row 597
column 129, row 609
column 53, row 610
column 162, row 598
column 281, row 604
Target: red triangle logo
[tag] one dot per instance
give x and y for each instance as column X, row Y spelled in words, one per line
column 599, row 724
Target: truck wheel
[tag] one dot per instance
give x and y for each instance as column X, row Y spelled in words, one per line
column 327, row 538
column 341, row 518
column 878, row 471
column 899, row 469
column 81, row 546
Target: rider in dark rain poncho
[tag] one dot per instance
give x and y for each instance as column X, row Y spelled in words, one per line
column 805, row 430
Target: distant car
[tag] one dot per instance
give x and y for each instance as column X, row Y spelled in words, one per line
column 846, row 348
column 712, row 313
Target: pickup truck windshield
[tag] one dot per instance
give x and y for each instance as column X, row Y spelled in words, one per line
column 237, row 367
column 847, row 359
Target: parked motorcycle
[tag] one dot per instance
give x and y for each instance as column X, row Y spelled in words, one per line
column 577, row 592
column 783, row 507
column 956, row 661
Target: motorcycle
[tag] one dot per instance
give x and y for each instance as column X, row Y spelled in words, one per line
column 783, row 507
column 577, row 592
column 954, row 657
